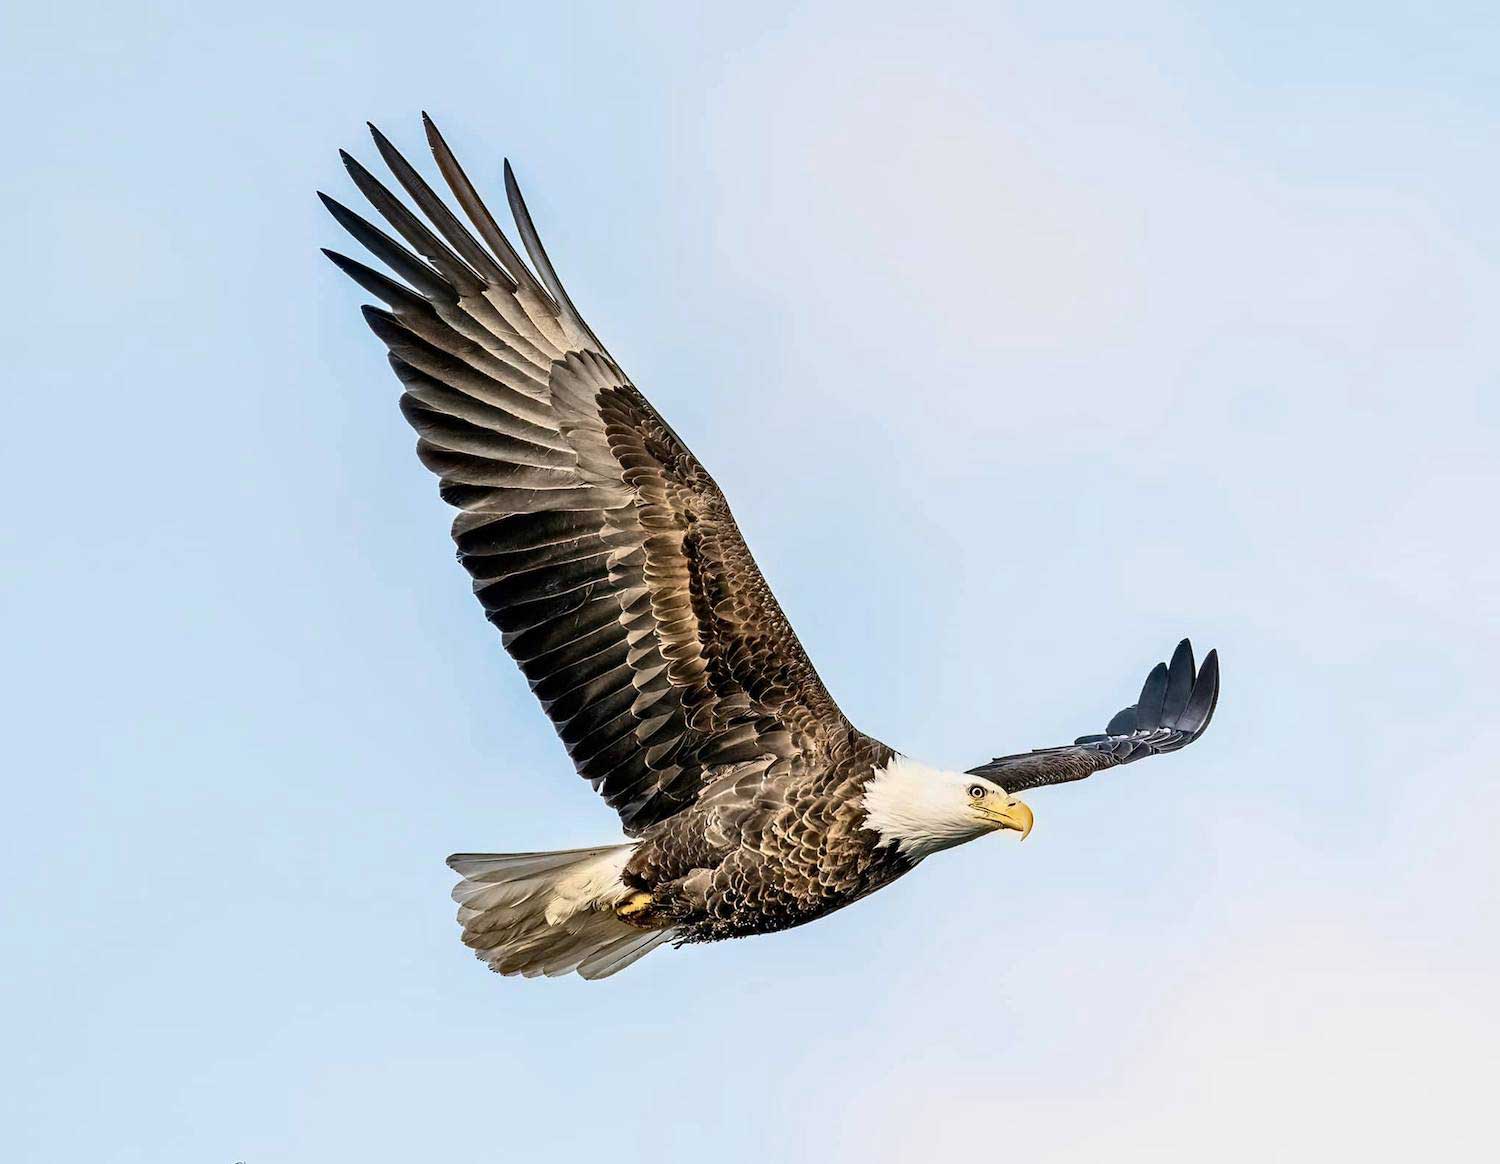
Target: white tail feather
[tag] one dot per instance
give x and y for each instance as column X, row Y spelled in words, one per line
column 549, row 913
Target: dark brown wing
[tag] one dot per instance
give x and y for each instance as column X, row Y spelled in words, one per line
column 1174, row 709
column 599, row 545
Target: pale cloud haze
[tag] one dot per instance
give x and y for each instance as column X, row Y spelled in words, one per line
column 1024, row 340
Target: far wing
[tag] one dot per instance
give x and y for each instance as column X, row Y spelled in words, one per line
column 1174, row 709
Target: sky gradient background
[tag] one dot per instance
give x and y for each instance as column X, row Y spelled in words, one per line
column 1023, row 341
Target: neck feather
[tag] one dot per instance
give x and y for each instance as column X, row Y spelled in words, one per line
column 918, row 809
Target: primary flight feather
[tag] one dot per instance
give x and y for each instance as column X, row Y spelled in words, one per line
column 608, row 559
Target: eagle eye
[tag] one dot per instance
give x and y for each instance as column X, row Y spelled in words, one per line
column 977, row 791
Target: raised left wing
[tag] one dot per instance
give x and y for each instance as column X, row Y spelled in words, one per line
column 1174, row 709
column 599, row 546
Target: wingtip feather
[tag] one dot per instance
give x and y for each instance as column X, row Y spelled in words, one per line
column 1205, row 698
column 1180, row 675
column 1153, row 695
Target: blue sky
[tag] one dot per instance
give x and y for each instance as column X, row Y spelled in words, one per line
column 1023, row 339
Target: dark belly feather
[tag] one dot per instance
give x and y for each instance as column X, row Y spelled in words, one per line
column 770, row 845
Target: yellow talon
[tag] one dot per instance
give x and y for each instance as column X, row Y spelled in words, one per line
column 633, row 907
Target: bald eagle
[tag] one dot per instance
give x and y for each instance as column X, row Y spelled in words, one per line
column 608, row 559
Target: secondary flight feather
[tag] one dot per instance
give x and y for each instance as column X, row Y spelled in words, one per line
column 609, row 561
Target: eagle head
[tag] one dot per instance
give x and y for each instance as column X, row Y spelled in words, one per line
column 922, row 810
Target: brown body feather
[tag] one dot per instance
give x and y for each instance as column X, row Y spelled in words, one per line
column 768, row 846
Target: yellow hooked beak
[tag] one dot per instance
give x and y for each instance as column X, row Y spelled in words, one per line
column 1014, row 815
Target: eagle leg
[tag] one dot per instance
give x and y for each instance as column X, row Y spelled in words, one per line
column 635, row 910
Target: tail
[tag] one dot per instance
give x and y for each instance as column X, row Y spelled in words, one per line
column 549, row 913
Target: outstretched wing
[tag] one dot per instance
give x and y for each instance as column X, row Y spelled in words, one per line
column 1174, row 709
column 599, row 546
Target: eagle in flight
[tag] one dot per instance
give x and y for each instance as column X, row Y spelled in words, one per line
column 609, row 561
